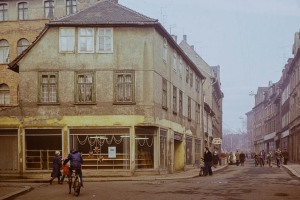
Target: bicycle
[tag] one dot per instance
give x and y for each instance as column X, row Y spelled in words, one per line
column 76, row 185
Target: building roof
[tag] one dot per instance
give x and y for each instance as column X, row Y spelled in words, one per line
column 105, row 12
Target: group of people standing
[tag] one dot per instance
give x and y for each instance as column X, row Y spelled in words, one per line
column 75, row 159
column 279, row 156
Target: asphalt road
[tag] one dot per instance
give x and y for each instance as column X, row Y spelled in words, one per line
column 232, row 183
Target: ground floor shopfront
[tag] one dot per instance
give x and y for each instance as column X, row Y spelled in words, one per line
column 126, row 149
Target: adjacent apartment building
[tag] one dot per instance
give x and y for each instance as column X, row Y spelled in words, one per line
column 114, row 84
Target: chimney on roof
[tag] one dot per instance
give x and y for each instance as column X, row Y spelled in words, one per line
column 192, row 46
column 174, row 37
column 184, row 38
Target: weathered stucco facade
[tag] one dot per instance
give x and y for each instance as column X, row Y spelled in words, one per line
column 159, row 130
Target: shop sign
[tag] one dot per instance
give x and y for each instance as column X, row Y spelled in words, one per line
column 217, row 141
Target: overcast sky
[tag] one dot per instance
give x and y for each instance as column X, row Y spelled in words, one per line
column 250, row 40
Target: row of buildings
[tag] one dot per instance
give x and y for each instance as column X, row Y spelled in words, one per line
column 101, row 78
column 274, row 121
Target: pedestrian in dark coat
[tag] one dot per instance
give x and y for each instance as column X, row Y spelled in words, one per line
column 207, row 161
column 215, row 158
column 285, row 155
column 57, row 163
column 242, row 158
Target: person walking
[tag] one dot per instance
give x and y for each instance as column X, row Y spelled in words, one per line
column 237, row 157
column 56, row 173
column 278, row 156
column 207, row 157
column 242, row 158
column 285, row 155
column 262, row 156
column 269, row 159
column 65, row 173
column 215, row 159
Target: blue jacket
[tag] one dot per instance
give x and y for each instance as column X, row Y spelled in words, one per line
column 75, row 160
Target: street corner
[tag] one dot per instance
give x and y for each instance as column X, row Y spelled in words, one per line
column 10, row 191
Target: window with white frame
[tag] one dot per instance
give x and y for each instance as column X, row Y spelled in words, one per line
column 3, row 12
column 85, row 87
column 197, row 84
column 66, row 39
column 4, row 52
column 86, row 40
column 71, row 6
column 191, row 78
column 4, row 95
column 175, row 61
column 105, row 40
column 49, row 9
column 164, row 93
column 22, row 11
column 22, row 45
column 48, row 87
column 180, row 67
column 165, row 50
column 124, row 84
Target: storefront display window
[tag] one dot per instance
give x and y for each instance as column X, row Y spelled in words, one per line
column 102, row 148
column 8, row 149
column 145, row 144
column 40, row 147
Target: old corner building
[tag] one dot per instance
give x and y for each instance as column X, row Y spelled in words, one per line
column 115, row 85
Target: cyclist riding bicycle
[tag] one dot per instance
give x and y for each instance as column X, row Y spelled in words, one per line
column 76, row 160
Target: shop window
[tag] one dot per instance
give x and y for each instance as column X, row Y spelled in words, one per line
column 188, row 151
column 48, row 87
column 71, row 6
column 144, row 144
column 4, row 52
column 22, row 45
column 66, row 40
column 9, row 150
column 102, row 148
column 3, row 12
column 40, row 147
column 4, row 95
column 23, row 11
column 86, row 40
column 105, row 40
column 124, row 84
column 85, row 88
column 163, row 150
column 198, row 155
column 49, row 9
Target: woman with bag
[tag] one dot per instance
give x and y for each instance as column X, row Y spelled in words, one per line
column 56, row 173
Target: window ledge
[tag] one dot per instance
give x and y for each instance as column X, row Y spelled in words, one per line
column 92, row 103
column 124, row 103
column 48, row 104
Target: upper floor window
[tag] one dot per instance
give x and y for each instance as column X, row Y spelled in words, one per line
column 86, row 40
column 175, row 61
column 191, row 78
column 197, row 84
column 66, row 39
column 85, row 88
column 180, row 103
column 23, row 11
column 180, row 67
column 187, row 73
column 105, row 40
column 197, row 112
column 4, row 51
column 124, row 85
column 164, row 93
column 3, row 12
column 48, row 87
column 49, row 9
column 165, row 50
column 4, row 95
column 22, row 45
column 189, row 108
column 174, row 100
column 71, row 6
